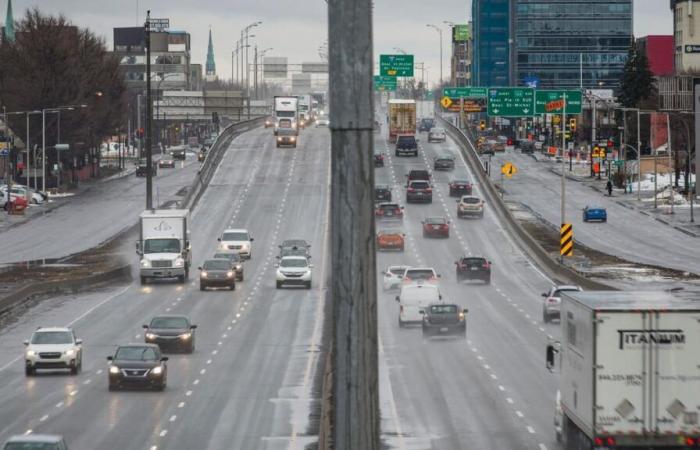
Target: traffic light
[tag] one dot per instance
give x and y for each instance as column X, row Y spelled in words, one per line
column 611, row 144
column 482, row 125
column 572, row 125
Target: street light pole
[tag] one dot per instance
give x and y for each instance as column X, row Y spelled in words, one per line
column 439, row 30
column 149, row 113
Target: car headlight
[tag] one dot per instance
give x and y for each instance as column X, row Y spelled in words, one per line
column 179, row 262
column 204, row 274
column 113, row 369
column 150, row 336
column 185, row 336
column 31, row 353
column 229, row 274
column 145, row 263
column 223, row 246
column 70, row 352
column 239, row 267
column 157, row 370
column 292, row 139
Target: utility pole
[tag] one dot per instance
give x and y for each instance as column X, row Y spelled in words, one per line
column 353, row 260
column 149, row 114
column 563, row 175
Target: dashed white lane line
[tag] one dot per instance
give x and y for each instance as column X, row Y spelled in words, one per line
column 543, row 447
column 59, row 405
column 519, row 414
column 88, row 381
column 29, row 431
column 195, row 382
column 44, row 418
column 163, row 433
column 173, row 418
column 181, row 405
column 501, row 388
column 530, row 429
column 188, row 393
column 73, row 393
column 203, row 371
column 510, row 400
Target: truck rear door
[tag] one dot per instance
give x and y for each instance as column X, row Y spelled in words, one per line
column 621, row 380
column 675, row 363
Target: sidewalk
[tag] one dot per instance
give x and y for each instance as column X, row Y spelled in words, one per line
column 679, row 219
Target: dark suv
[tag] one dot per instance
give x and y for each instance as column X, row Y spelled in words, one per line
column 406, row 144
column 382, row 193
column 426, row 124
column 417, row 175
column 142, row 170
column 444, row 319
column 419, row 191
column 444, row 161
column 473, row 268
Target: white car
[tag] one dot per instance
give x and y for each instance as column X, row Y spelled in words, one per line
column 392, row 277
column 20, row 191
column 470, row 206
column 294, row 271
column 551, row 307
column 237, row 240
column 437, row 135
column 35, row 441
column 420, row 275
column 413, row 300
column 53, row 348
column 323, row 122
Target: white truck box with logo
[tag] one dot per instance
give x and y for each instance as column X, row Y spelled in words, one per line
column 286, row 113
column 630, row 370
column 164, row 244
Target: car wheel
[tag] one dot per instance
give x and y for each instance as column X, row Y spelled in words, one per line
column 233, row 287
column 202, row 287
column 308, row 285
column 487, row 281
column 401, row 249
column 190, row 349
column 401, row 324
column 161, row 386
column 75, row 369
column 545, row 317
column 29, row 371
column 144, row 280
column 605, row 220
column 181, row 279
column 279, row 285
column 112, row 387
column 240, row 277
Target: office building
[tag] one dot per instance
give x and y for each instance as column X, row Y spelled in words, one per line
column 571, row 43
column 686, row 35
column 460, row 73
column 659, row 51
column 170, row 58
column 491, row 28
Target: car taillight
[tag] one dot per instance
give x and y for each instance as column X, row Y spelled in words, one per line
column 691, row 441
column 401, row 309
column 428, row 189
column 551, row 300
column 379, row 212
column 411, row 189
column 487, row 266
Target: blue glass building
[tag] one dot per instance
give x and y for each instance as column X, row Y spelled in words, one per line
column 491, row 21
column 555, row 39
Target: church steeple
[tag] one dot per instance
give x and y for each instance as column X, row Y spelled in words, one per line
column 9, row 23
column 211, row 65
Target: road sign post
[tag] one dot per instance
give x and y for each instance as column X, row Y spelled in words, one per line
column 511, row 102
column 566, row 240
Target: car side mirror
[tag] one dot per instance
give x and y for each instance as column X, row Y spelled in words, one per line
column 553, row 357
column 421, row 312
column 78, row 342
column 251, row 239
column 110, row 358
column 26, row 342
column 439, row 276
column 164, row 358
column 403, row 207
column 219, row 239
column 544, row 294
column 199, row 268
column 278, row 256
column 397, row 298
column 457, row 201
column 193, row 327
column 138, row 248
column 465, row 310
column 145, row 327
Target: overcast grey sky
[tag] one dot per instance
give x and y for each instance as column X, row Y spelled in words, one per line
column 296, row 28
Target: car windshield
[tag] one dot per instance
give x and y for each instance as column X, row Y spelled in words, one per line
column 285, row 113
column 235, row 236
column 427, row 121
column 169, row 322
column 473, row 261
column 437, row 130
column 161, row 246
column 419, row 174
column 444, row 309
column 397, row 270
column 471, row 200
column 233, row 257
column 420, row 185
column 406, row 139
column 136, row 354
column 293, row 262
column 389, row 207
column 294, row 243
column 217, row 264
column 293, row 252
column 420, row 274
column 435, row 220
column 558, row 292
column 381, row 188
column 31, row 446
column 460, row 182
column 52, row 337
column 389, row 232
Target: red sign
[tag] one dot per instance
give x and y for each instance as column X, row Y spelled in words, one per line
column 554, row 105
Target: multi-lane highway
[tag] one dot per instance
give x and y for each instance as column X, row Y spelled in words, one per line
column 250, row 382
column 491, row 391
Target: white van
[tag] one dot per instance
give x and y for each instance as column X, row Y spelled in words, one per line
column 413, row 299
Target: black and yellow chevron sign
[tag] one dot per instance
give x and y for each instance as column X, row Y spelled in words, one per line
column 566, row 240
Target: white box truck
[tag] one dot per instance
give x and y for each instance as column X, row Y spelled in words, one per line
column 304, row 110
column 286, row 113
column 164, row 244
column 630, row 371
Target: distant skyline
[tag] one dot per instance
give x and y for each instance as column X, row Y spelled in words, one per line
column 297, row 28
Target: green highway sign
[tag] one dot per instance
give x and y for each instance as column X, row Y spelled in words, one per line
column 461, row 33
column 465, row 92
column 396, row 65
column 543, row 98
column 511, row 102
column 382, row 83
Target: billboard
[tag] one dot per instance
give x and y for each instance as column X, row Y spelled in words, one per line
column 275, row 67
column 461, row 33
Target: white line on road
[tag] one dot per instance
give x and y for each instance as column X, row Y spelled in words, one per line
column 519, row 414
column 43, row 418
column 181, row 405
column 163, row 433
column 530, row 429
column 173, row 418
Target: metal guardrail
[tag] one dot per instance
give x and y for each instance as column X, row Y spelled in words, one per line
column 214, row 157
column 558, row 272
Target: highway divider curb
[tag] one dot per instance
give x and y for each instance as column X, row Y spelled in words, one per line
column 214, row 157
column 119, row 273
column 325, row 434
column 538, row 255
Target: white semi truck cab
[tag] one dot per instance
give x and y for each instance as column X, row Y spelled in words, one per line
column 630, row 371
column 286, row 113
column 164, row 246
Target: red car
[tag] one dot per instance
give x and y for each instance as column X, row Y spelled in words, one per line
column 459, row 188
column 390, row 240
column 389, row 211
column 436, row 227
